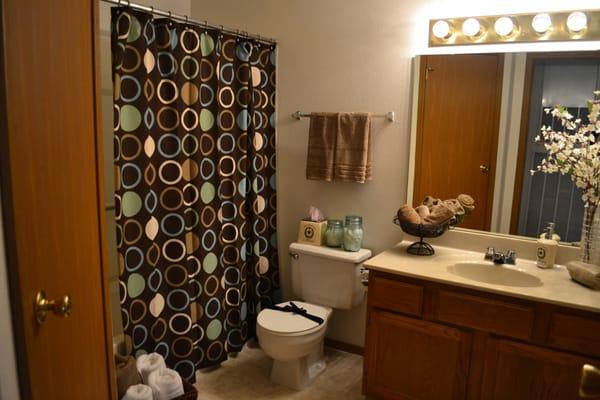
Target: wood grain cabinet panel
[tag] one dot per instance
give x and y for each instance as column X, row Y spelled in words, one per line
column 485, row 314
column 408, row 358
column 455, row 343
column 516, row 371
column 395, row 295
column 575, row 333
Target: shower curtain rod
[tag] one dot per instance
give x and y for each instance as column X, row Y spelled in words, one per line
column 186, row 19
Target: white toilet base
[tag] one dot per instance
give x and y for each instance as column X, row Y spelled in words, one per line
column 300, row 373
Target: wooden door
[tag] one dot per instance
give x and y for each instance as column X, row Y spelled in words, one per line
column 412, row 359
column 457, row 134
column 51, row 196
column 516, row 371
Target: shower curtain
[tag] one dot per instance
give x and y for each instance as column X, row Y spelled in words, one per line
column 194, row 147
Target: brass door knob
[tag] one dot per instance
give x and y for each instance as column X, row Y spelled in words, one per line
column 484, row 168
column 589, row 387
column 43, row 306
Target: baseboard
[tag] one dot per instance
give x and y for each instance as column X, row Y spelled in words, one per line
column 347, row 347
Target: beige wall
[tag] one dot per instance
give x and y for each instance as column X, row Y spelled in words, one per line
column 336, row 55
column 9, row 384
column 178, row 7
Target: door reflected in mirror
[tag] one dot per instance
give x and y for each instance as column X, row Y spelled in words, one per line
column 475, row 125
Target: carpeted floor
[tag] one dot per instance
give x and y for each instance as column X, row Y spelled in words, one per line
column 247, row 377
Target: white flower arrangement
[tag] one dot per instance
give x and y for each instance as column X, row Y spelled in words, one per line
column 574, row 150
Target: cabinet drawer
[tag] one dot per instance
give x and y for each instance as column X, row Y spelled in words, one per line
column 489, row 315
column 394, row 295
column 575, row 333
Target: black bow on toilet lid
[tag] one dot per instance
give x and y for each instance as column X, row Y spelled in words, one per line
column 294, row 309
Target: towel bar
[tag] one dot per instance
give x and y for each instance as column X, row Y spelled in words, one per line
column 390, row 116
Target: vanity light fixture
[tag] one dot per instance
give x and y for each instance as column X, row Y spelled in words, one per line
column 471, row 27
column 541, row 23
column 577, row 22
column 505, row 27
column 442, row 29
column 560, row 26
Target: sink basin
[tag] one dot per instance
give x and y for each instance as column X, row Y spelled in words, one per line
column 488, row 272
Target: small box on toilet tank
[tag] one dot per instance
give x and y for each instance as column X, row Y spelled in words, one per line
column 312, row 232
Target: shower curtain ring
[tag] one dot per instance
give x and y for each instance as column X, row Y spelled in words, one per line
column 186, row 20
column 128, row 3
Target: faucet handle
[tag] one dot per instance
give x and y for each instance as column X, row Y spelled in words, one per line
column 511, row 257
column 489, row 253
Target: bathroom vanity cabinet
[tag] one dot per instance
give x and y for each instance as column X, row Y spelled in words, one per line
column 428, row 340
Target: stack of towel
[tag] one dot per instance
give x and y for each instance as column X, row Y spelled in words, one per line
column 435, row 211
column 339, row 147
column 160, row 383
column 584, row 273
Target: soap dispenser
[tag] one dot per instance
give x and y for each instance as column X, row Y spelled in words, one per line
column 547, row 247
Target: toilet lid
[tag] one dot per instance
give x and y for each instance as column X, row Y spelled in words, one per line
column 286, row 322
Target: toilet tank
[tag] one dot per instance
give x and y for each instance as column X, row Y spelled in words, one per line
column 327, row 276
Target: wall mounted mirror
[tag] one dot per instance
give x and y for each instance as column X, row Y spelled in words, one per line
column 475, row 117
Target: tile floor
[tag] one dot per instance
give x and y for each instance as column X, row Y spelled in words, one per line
column 247, row 377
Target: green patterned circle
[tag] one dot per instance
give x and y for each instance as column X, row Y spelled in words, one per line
column 131, row 204
column 207, row 44
column 207, row 119
column 130, row 118
column 135, row 285
column 207, row 192
column 135, row 30
column 214, row 329
column 210, row 263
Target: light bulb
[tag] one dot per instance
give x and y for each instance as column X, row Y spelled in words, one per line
column 541, row 23
column 577, row 22
column 471, row 27
column 504, row 26
column 441, row 30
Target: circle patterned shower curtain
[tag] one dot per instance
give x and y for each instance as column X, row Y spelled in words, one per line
column 194, row 148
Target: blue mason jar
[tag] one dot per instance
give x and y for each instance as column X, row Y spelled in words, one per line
column 334, row 235
column 353, row 233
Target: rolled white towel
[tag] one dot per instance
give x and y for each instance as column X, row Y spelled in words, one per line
column 166, row 384
column 138, row 392
column 148, row 363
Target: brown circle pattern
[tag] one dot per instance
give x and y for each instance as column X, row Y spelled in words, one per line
column 194, row 125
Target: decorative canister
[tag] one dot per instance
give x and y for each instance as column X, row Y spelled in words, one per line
column 334, row 236
column 353, row 233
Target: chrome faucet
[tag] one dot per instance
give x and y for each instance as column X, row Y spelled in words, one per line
column 510, row 257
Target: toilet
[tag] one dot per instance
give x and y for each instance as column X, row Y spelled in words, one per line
column 323, row 279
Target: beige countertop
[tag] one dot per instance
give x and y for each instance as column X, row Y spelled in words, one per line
column 552, row 286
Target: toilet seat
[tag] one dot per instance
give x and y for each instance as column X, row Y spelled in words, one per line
column 289, row 324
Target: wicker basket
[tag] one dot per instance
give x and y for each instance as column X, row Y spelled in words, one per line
column 422, row 248
column 190, row 392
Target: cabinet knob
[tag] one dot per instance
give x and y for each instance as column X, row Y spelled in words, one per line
column 484, row 168
column 43, row 306
column 589, row 387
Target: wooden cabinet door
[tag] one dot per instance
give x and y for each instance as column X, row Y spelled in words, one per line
column 51, row 196
column 407, row 358
column 516, row 371
column 457, row 133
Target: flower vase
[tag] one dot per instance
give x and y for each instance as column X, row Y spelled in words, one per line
column 590, row 235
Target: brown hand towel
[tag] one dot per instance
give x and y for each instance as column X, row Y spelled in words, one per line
column 440, row 214
column 422, row 210
column 455, row 206
column 321, row 146
column 353, row 144
column 408, row 214
column 466, row 202
column 127, row 374
column 431, row 201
